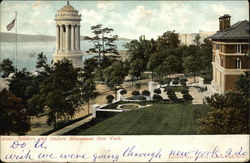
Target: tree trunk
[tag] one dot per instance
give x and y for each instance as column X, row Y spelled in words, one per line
column 194, row 77
column 88, row 106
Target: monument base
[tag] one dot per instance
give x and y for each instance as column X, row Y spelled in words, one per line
column 76, row 58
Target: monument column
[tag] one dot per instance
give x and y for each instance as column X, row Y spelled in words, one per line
column 61, row 38
column 57, row 38
column 72, row 37
column 67, row 38
column 77, row 38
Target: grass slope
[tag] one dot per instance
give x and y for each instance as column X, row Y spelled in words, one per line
column 158, row 119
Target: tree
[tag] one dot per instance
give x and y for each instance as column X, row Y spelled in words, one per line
column 169, row 40
column 114, row 75
column 7, row 67
column 225, row 121
column 23, row 85
column 197, row 40
column 13, row 116
column 192, row 64
column 136, row 68
column 103, row 41
column 59, row 92
column 171, row 63
column 243, row 83
column 228, row 114
column 155, row 60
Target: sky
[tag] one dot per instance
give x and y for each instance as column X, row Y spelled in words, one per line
column 129, row 19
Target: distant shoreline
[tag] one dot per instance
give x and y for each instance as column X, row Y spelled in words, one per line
column 11, row 37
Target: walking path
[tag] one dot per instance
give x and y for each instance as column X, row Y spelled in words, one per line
column 72, row 126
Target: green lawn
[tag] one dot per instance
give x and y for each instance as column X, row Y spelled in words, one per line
column 158, row 119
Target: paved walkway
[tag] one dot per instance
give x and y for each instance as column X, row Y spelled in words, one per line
column 72, row 126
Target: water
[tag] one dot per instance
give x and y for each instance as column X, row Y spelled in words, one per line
column 7, row 50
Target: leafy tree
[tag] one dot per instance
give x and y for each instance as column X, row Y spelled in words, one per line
column 59, row 92
column 228, row 114
column 136, row 68
column 171, row 64
column 243, row 83
column 192, row 64
column 13, row 117
column 197, row 40
column 23, row 85
column 135, row 93
column 114, row 75
column 109, row 98
column 87, row 87
column 225, row 121
column 155, row 60
column 103, row 41
column 169, row 40
column 7, row 67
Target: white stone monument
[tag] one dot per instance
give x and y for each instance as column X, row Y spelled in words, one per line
column 68, row 35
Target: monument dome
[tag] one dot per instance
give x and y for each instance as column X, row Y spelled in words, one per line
column 68, row 35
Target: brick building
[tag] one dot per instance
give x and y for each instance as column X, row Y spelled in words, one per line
column 229, row 48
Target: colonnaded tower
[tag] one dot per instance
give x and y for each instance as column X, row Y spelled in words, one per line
column 68, row 35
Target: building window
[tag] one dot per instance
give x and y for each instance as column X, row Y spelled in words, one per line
column 238, row 49
column 218, row 46
column 238, row 63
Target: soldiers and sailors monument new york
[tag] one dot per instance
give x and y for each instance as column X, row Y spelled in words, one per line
column 68, row 35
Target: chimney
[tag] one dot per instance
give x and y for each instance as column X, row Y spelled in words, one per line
column 224, row 22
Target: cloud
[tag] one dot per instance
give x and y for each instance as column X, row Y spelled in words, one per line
column 220, row 9
column 140, row 14
column 105, row 5
column 91, row 17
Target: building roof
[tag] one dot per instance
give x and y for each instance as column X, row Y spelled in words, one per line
column 67, row 8
column 238, row 31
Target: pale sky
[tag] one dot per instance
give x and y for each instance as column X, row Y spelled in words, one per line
column 129, row 19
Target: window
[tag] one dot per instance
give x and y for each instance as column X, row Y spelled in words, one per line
column 238, row 49
column 238, row 63
column 221, row 62
column 218, row 46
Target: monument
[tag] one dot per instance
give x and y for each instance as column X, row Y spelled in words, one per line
column 68, row 35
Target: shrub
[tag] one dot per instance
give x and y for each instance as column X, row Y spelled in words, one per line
column 170, row 91
column 157, row 97
column 123, row 91
column 135, row 93
column 175, row 82
column 176, row 78
column 184, row 91
column 172, row 97
column 157, row 91
column 183, row 80
column 146, row 93
column 109, row 98
column 187, row 97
